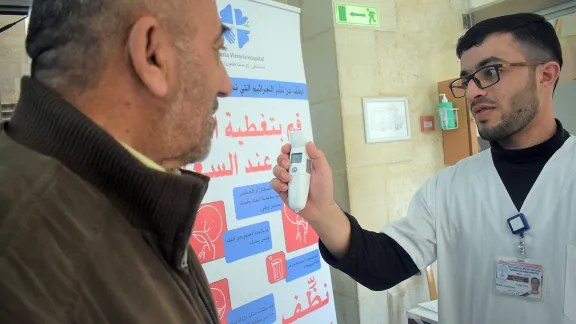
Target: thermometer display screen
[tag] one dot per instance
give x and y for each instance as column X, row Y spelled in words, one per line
column 296, row 158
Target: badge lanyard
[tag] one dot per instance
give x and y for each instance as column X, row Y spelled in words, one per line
column 518, row 226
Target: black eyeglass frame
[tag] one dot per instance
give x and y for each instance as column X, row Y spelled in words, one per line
column 497, row 67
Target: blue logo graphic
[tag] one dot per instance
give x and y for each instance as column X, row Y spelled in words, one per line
column 238, row 24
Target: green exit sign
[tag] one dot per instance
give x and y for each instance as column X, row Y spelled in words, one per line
column 350, row 14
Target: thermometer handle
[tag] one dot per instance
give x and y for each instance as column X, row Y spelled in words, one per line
column 298, row 190
column 300, row 171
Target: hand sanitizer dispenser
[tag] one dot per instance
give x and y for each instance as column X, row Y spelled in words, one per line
column 447, row 114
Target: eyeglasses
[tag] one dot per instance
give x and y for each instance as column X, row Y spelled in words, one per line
column 484, row 77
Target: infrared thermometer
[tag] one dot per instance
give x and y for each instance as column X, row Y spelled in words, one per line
column 300, row 171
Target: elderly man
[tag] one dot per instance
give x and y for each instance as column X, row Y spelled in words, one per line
column 94, row 215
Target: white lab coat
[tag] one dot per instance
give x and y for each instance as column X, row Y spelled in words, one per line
column 459, row 219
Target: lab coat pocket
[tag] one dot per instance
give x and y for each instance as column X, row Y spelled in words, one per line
column 570, row 285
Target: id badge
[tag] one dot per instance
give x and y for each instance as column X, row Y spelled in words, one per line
column 520, row 279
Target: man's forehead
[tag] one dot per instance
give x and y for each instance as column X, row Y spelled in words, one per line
column 502, row 46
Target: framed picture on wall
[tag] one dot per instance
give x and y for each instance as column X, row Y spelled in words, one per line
column 386, row 119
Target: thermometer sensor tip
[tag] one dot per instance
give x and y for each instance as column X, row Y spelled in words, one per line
column 298, row 138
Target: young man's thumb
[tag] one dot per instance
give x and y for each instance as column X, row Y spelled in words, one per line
column 316, row 155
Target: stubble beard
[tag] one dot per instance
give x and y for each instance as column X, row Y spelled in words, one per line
column 190, row 136
column 200, row 152
column 200, row 142
column 524, row 106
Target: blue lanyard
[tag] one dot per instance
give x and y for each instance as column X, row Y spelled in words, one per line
column 518, row 226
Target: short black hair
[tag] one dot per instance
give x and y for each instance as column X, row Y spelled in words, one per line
column 534, row 278
column 533, row 32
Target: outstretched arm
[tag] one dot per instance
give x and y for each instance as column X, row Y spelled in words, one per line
column 373, row 259
column 376, row 260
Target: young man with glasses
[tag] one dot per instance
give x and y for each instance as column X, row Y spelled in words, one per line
column 495, row 220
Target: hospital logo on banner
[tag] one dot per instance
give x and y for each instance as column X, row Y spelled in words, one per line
column 239, row 33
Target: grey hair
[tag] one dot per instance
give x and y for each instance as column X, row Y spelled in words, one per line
column 69, row 40
column 66, row 40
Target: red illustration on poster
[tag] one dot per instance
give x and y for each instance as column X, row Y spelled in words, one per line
column 276, row 267
column 297, row 232
column 313, row 302
column 206, row 238
column 221, row 294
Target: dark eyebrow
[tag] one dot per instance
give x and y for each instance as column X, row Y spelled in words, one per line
column 491, row 59
column 483, row 63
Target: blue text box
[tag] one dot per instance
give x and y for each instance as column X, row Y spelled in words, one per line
column 255, row 200
column 247, row 241
column 302, row 265
column 254, row 88
column 261, row 311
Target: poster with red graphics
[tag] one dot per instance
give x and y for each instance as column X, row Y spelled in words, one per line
column 221, row 294
column 276, row 267
column 206, row 238
column 261, row 258
column 297, row 232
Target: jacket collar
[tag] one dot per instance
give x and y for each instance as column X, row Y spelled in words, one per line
column 160, row 203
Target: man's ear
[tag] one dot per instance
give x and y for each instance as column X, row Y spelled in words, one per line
column 550, row 73
column 152, row 55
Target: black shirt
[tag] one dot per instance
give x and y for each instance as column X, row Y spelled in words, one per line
column 378, row 262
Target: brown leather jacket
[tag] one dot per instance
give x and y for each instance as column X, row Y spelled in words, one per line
column 88, row 234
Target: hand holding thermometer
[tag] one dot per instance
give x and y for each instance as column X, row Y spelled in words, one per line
column 300, row 170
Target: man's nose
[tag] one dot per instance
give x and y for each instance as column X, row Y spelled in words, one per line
column 225, row 88
column 473, row 91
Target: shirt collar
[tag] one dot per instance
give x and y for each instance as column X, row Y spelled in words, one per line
column 147, row 161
